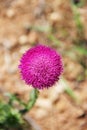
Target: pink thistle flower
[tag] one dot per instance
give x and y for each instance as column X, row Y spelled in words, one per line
column 41, row 66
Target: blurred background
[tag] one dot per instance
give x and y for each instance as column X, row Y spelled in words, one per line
column 61, row 24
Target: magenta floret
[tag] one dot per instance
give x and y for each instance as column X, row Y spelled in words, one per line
column 41, row 66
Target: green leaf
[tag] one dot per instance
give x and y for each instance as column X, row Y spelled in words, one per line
column 70, row 92
column 54, row 39
column 80, row 50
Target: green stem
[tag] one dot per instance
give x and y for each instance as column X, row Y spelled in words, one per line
column 33, row 97
column 78, row 21
column 70, row 92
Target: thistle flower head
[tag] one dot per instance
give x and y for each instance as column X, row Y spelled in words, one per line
column 41, row 66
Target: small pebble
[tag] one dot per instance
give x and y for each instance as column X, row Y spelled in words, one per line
column 23, row 39
column 32, row 37
column 44, row 103
column 69, row 70
column 54, row 93
column 40, row 113
column 24, row 48
column 55, row 17
column 9, row 43
column 10, row 13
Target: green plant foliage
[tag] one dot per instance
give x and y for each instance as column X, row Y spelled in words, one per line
column 69, row 91
column 9, row 117
column 12, row 118
column 54, row 39
column 79, row 24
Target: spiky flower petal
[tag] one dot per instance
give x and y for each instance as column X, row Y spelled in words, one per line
column 41, row 66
